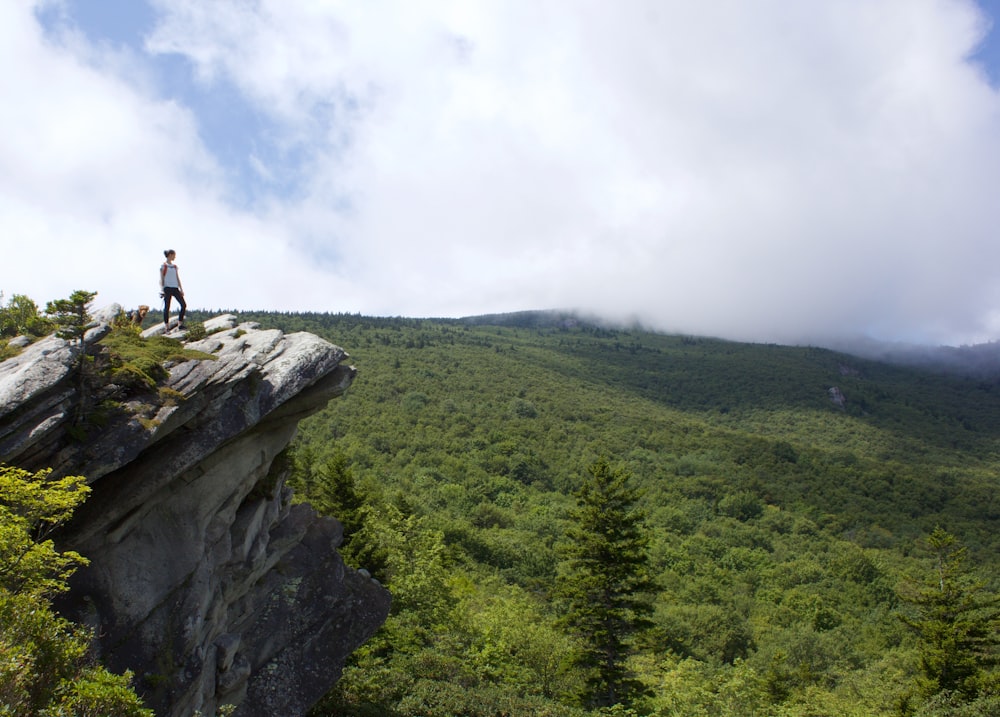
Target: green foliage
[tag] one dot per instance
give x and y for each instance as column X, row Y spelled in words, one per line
column 71, row 316
column 45, row 670
column 44, row 665
column 329, row 483
column 139, row 364
column 510, row 639
column 606, row 583
column 957, row 620
column 20, row 317
column 95, row 692
column 6, row 350
column 409, row 557
column 951, row 705
column 195, row 331
column 779, row 524
column 435, row 697
column 146, row 356
column 31, row 507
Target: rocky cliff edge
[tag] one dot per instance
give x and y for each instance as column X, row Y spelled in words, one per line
column 205, row 580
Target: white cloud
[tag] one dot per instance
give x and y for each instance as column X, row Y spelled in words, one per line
column 769, row 172
column 98, row 178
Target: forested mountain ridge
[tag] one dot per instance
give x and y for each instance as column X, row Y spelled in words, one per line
column 932, row 432
column 782, row 524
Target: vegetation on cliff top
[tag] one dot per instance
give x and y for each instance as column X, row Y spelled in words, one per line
column 120, row 366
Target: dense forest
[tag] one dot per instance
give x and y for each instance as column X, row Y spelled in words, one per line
column 818, row 530
column 576, row 519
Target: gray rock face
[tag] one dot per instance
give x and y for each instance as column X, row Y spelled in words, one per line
column 205, row 580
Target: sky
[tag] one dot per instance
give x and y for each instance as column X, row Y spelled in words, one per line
column 797, row 172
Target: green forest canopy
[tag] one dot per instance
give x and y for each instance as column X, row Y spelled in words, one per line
column 781, row 523
column 791, row 539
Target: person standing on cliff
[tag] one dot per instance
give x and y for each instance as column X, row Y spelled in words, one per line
column 170, row 288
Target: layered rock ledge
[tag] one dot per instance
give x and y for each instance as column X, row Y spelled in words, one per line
column 205, row 580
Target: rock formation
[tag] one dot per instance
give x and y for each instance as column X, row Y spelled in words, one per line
column 205, row 580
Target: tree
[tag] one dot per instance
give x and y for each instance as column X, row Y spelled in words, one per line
column 31, row 507
column 408, row 557
column 20, row 316
column 605, row 584
column 71, row 315
column 328, row 484
column 44, row 663
column 509, row 640
column 956, row 620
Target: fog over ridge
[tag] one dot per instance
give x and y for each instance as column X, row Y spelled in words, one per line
column 786, row 173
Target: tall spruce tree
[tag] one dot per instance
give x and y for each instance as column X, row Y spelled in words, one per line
column 605, row 584
column 329, row 485
column 956, row 620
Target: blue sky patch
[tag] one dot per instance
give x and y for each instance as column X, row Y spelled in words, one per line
column 242, row 139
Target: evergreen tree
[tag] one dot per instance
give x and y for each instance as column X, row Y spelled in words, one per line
column 605, row 584
column 328, row 484
column 956, row 620
column 72, row 315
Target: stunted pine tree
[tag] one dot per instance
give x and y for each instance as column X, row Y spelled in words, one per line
column 605, row 584
column 72, row 317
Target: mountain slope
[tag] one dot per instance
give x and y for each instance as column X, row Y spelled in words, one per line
column 781, row 522
column 910, row 448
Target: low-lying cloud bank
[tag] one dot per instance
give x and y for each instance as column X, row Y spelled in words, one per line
column 766, row 172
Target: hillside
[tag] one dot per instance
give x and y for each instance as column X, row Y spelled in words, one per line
column 910, row 448
column 782, row 524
